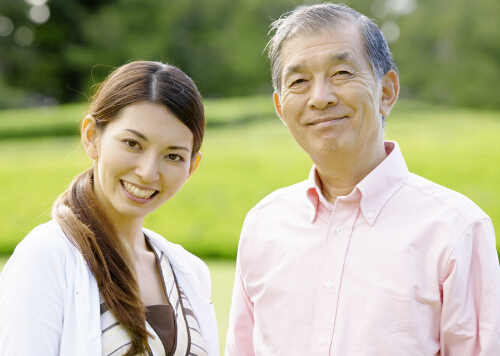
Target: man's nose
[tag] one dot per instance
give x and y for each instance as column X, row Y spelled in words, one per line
column 147, row 168
column 322, row 95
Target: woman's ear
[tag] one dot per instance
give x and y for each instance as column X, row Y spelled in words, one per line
column 89, row 136
column 195, row 160
column 390, row 92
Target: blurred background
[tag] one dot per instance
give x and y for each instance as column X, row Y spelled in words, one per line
column 53, row 52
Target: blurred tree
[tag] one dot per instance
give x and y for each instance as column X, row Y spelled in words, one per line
column 39, row 66
column 448, row 51
column 219, row 42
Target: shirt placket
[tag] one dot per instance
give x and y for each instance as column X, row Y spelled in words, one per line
column 331, row 269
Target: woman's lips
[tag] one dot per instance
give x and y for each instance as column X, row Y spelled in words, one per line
column 138, row 194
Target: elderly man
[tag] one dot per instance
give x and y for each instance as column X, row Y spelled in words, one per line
column 364, row 257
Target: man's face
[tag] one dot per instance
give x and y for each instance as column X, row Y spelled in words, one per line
column 330, row 98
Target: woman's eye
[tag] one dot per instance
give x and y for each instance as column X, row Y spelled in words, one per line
column 342, row 72
column 132, row 144
column 174, row 157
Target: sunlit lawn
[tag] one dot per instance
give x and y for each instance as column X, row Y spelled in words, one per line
column 243, row 163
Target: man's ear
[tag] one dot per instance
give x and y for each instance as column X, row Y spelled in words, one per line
column 89, row 136
column 277, row 106
column 195, row 160
column 390, row 92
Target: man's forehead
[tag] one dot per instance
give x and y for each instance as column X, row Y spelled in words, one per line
column 346, row 41
column 349, row 35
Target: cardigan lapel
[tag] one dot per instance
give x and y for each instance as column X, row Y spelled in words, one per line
column 188, row 280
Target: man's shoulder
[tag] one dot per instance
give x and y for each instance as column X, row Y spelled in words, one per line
column 447, row 198
column 283, row 195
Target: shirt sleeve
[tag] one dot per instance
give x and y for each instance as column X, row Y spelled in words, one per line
column 32, row 297
column 239, row 340
column 470, row 322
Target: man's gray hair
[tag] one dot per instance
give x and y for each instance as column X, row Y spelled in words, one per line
column 316, row 19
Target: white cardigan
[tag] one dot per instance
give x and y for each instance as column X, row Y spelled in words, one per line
column 49, row 300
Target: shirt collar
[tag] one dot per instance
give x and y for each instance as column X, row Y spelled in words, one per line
column 314, row 194
column 374, row 190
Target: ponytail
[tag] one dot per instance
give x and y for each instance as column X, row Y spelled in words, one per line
column 109, row 258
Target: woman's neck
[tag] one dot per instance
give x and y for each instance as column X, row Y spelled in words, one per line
column 132, row 233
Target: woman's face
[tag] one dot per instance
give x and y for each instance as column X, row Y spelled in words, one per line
column 142, row 158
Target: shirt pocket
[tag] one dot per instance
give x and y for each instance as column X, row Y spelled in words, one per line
column 394, row 326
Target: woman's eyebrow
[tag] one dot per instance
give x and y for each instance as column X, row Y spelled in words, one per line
column 178, row 148
column 138, row 134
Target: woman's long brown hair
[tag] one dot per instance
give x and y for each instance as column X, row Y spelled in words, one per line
column 78, row 211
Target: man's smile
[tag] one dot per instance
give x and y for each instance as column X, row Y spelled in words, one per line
column 326, row 120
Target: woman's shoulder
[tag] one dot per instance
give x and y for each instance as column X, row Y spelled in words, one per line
column 180, row 259
column 45, row 257
column 46, row 241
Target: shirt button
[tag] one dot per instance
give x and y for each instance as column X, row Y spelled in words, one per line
column 340, row 231
column 328, row 284
column 321, row 341
column 370, row 215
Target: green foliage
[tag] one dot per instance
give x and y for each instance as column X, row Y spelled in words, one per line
column 244, row 162
column 448, row 50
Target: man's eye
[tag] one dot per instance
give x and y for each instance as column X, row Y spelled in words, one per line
column 298, row 81
column 342, row 72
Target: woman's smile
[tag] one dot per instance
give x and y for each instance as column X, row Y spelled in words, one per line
column 139, row 164
column 138, row 194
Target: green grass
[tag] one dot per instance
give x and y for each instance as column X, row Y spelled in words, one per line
column 242, row 163
column 244, row 159
column 456, row 148
column 222, row 272
column 64, row 120
column 3, row 260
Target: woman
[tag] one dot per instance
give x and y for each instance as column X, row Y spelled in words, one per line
column 93, row 281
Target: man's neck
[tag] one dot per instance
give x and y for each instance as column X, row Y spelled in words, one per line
column 339, row 175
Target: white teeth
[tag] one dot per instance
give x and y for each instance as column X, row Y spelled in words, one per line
column 139, row 193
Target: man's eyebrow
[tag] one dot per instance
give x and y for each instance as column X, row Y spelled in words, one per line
column 340, row 57
column 293, row 69
column 138, row 134
column 337, row 57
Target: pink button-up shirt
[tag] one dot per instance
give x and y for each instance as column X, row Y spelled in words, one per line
column 401, row 266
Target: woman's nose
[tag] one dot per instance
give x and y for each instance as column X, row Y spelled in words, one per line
column 147, row 168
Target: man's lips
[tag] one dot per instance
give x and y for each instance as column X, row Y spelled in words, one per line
column 325, row 119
